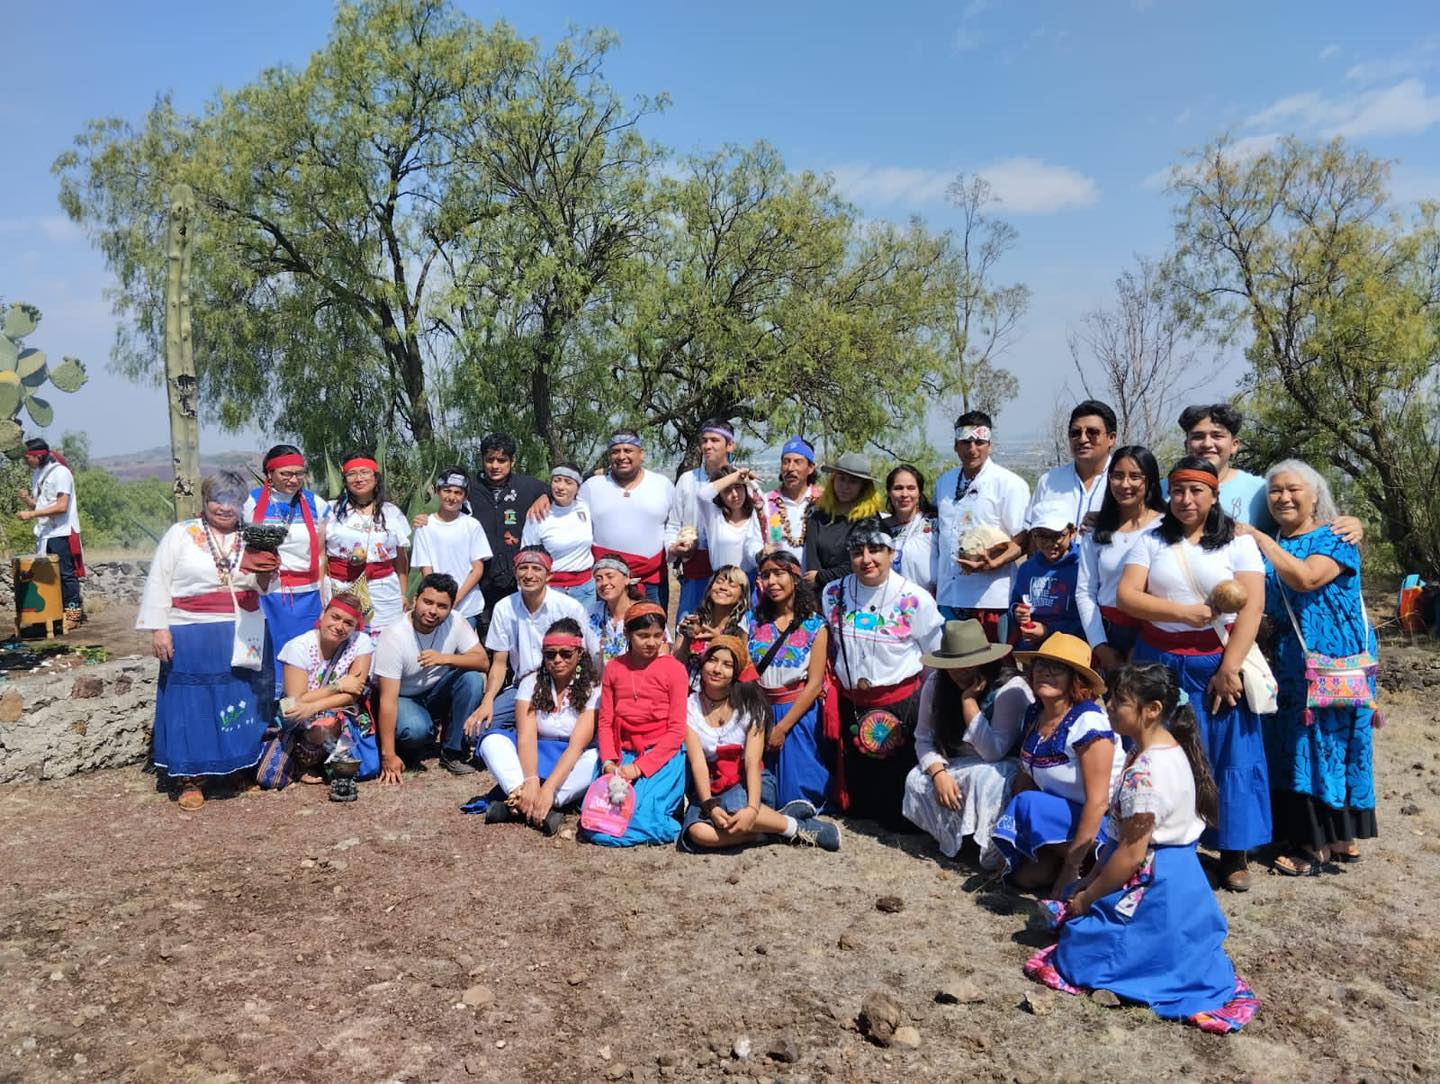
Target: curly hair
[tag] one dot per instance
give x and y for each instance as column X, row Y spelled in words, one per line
column 582, row 682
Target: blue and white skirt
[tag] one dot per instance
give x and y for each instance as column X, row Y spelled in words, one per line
column 210, row 718
column 1032, row 820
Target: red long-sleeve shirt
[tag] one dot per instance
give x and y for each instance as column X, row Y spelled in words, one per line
column 642, row 710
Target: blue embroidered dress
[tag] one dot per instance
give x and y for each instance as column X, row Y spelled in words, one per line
column 1321, row 773
column 802, row 767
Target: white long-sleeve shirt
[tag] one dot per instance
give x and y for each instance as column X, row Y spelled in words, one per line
column 1099, row 575
column 184, row 567
column 992, row 736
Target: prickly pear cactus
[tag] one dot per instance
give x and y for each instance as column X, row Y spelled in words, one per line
column 24, row 372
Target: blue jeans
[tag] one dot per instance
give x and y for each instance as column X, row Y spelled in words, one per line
column 583, row 593
column 450, row 701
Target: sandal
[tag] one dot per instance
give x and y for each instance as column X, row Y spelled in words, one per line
column 1346, row 856
column 191, row 797
column 1295, row 864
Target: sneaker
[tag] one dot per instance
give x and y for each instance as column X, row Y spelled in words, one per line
column 456, row 763
column 552, row 823
column 800, row 809
column 813, row 832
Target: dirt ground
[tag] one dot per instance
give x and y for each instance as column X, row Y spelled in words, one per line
column 280, row 936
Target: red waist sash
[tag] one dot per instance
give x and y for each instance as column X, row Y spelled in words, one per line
column 570, row 579
column 341, row 569
column 879, row 696
column 725, row 769
column 1195, row 642
column 1119, row 617
column 644, row 569
column 696, row 565
column 216, row 602
column 785, row 694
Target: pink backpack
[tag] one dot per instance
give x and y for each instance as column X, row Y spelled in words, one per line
column 598, row 814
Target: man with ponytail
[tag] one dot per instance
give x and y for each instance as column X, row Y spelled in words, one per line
column 1144, row 923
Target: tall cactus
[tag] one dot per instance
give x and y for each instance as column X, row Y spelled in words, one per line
column 180, row 383
column 23, row 372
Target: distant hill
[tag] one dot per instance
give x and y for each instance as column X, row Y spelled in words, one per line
column 155, row 463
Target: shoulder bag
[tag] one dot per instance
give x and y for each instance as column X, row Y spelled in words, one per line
column 1335, row 681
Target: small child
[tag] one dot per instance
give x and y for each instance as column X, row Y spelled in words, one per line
column 453, row 542
column 732, row 793
column 1144, row 923
column 1043, row 598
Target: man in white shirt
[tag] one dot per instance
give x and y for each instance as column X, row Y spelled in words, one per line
column 1080, row 484
column 431, row 672
column 628, row 510
column 982, row 509
column 51, row 505
column 717, row 444
column 517, row 627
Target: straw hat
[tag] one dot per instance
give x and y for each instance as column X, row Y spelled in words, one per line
column 1073, row 652
column 963, row 645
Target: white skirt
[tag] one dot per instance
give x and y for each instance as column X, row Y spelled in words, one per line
column 984, row 790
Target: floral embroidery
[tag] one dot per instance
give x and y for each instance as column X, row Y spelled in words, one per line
column 232, row 716
column 894, row 622
column 795, row 653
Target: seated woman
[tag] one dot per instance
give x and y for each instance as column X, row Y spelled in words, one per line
column 788, row 649
column 1322, row 781
column 725, row 610
column 327, row 671
column 972, row 709
column 1069, row 760
column 732, row 795
column 1144, row 923
column 547, row 761
column 643, row 696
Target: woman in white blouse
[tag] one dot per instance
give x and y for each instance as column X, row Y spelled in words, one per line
column 882, row 624
column 911, row 520
column 568, row 535
column 1131, row 509
column 729, row 528
column 972, row 709
column 367, row 543
column 1169, row 579
column 202, row 609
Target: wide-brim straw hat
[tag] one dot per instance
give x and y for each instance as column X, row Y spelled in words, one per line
column 852, row 463
column 1070, row 650
column 962, row 646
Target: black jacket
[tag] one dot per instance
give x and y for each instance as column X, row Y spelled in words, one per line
column 502, row 514
column 825, row 551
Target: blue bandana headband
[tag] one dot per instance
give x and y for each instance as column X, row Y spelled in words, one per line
column 626, row 438
column 799, row 446
column 720, row 431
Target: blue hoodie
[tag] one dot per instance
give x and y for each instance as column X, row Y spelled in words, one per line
column 1051, row 588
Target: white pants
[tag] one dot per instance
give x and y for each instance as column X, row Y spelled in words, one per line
column 503, row 760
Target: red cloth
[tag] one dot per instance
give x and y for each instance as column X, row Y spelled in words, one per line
column 340, row 569
column 1119, row 617
column 312, row 574
column 77, row 555
column 644, row 569
column 217, row 602
column 696, row 565
column 1198, row 642
column 727, row 768
column 786, row 694
column 570, row 579
column 642, row 710
column 877, row 696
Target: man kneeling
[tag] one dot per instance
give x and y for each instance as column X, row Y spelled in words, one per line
column 431, row 671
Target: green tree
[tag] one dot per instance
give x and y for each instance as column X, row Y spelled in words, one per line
column 1298, row 254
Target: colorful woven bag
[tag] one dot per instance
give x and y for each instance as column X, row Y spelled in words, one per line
column 1344, row 681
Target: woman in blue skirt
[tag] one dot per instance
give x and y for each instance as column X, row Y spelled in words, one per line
column 215, row 695
column 1169, row 584
column 1144, row 924
column 788, row 644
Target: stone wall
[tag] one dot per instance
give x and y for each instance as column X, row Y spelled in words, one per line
column 76, row 719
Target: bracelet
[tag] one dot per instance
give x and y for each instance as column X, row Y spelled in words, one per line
column 938, row 769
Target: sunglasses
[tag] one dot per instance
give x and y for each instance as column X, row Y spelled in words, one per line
column 566, row 653
column 1076, row 434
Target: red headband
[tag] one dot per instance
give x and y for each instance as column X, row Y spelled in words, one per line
column 359, row 461
column 289, row 459
column 562, row 639
column 342, row 605
column 534, row 557
column 1189, row 474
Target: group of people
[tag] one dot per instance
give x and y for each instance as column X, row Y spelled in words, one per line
column 1065, row 681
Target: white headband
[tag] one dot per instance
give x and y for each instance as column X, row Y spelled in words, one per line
column 973, row 432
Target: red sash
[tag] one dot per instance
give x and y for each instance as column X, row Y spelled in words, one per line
column 645, row 569
column 786, row 694
column 1196, row 642
column 1119, row 617
column 312, row 574
column 726, row 768
column 216, row 602
column 340, row 569
column 570, row 579
column 77, row 555
column 696, row 565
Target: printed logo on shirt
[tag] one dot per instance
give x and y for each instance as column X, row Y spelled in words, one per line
column 511, row 516
column 1049, row 595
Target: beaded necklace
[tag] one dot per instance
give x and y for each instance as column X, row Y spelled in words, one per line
column 224, row 562
column 777, row 505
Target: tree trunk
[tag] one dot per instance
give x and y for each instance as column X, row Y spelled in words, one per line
column 181, row 386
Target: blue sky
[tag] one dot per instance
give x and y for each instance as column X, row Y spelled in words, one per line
column 1072, row 111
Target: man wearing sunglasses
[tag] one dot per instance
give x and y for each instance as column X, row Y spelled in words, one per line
column 1080, row 484
column 517, row 627
column 981, row 512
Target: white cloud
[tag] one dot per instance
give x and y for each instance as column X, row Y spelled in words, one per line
column 1240, row 151
column 1023, row 185
column 1328, row 52
column 1415, row 61
column 56, row 229
column 1406, row 108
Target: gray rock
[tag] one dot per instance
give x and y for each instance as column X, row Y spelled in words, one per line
column 957, row 991
column 784, row 1049
column 907, row 1036
column 879, row 1017
column 1107, row 998
column 478, row 997
column 891, row 905
column 1038, row 1002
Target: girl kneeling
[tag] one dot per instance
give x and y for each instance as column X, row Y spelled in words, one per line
column 732, row 796
column 548, row 760
column 1144, row 923
column 642, row 727
column 327, row 671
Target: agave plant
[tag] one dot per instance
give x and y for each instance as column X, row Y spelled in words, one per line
column 24, row 372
